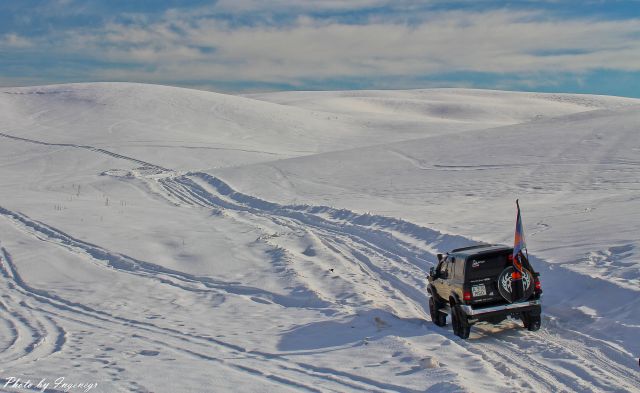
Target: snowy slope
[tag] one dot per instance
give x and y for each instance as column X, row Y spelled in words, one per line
column 163, row 239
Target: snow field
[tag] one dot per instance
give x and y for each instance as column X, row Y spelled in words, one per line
column 163, row 239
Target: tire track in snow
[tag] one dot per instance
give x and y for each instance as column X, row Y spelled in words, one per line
column 336, row 237
column 593, row 350
column 84, row 147
column 361, row 244
column 175, row 188
column 343, row 236
column 138, row 267
column 103, row 322
column 73, row 311
column 363, row 230
column 34, row 335
column 344, row 223
column 9, row 330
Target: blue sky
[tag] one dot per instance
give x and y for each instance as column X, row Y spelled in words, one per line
column 256, row 45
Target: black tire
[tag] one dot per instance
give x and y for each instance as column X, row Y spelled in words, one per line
column 454, row 323
column 438, row 318
column 461, row 327
column 531, row 322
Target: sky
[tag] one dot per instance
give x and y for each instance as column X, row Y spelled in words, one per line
column 258, row 45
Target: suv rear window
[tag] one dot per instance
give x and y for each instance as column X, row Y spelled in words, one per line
column 486, row 265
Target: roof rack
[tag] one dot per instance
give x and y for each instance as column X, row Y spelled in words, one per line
column 472, row 247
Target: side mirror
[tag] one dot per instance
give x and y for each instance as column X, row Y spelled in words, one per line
column 439, row 257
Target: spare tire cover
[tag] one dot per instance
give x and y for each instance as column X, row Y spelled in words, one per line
column 504, row 283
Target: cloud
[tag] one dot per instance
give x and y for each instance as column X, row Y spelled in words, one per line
column 401, row 41
column 12, row 40
column 237, row 6
column 495, row 42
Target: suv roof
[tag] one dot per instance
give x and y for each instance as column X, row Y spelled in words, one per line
column 478, row 249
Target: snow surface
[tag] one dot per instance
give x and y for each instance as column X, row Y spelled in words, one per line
column 157, row 239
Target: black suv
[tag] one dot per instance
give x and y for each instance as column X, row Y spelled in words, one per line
column 473, row 284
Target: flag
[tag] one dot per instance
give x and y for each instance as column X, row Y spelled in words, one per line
column 518, row 242
column 519, row 248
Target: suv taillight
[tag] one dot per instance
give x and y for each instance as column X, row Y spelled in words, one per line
column 538, row 285
column 466, row 296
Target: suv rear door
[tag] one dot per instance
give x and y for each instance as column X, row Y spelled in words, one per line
column 482, row 272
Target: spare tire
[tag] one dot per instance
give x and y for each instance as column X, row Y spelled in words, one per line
column 504, row 283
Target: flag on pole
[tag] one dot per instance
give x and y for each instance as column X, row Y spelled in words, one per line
column 519, row 248
column 518, row 243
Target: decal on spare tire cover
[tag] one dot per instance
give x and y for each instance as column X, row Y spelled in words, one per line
column 504, row 283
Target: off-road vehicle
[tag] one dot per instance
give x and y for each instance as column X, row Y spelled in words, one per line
column 473, row 284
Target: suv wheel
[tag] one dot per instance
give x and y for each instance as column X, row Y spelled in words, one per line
column 531, row 322
column 461, row 327
column 440, row 319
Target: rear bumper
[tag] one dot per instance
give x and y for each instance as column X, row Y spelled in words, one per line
column 502, row 309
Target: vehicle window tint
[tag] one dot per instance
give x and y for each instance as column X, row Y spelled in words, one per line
column 487, row 265
column 459, row 268
column 441, row 267
column 446, row 266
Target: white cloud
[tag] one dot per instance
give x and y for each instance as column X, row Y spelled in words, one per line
column 182, row 46
column 236, row 6
column 491, row 42
column 13, row 40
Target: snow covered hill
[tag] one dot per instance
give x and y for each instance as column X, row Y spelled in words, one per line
column 162, row 239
